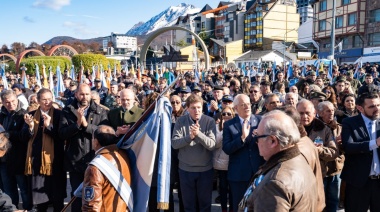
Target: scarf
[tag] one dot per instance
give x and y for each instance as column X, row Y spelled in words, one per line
column 47, row 153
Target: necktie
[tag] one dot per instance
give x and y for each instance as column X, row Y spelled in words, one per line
column 375, row 170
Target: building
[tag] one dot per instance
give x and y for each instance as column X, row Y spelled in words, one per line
column 350, row 26
column 305, row 10
column 202, row 22
column 225, row 52
column 371, row 51
column 229, row 22
column 254, row 58
column 119, row 44
column 267, row 21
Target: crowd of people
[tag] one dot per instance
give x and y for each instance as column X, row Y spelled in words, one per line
column 272, row 141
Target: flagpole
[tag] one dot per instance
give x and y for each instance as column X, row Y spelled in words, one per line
column 147, row 112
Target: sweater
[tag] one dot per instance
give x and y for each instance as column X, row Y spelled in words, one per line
column 194, row 155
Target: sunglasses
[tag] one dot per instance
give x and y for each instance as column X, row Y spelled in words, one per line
column 174, row 102
column 226, row 114
column 253, row 91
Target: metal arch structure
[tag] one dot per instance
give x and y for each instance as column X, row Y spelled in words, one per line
column 156, row 33
column 62, row 50
column 10, row 56
column 19, row 58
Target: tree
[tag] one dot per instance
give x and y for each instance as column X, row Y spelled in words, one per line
column 4, row 49
column 181, row 43
column 17, row 48
column 94, row 46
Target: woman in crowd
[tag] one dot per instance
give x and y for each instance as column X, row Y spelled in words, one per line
column 304, row 90
column 280, row 91
column 330, row 95
column 349, row 108
column 220, row 159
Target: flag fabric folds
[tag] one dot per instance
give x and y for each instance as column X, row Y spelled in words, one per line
column 243, row 69
column 38, row 77
column 23, row 77
column 274, row 66
column 330, row 74
column 72, row 73
column 141, row 148
column 46, row 84
column 290, row 71
column 358, row 66
column 2, row 73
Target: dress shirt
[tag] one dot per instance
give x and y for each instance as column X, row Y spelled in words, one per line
column 371, row 128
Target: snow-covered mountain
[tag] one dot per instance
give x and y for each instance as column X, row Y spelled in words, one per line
column 167, row 17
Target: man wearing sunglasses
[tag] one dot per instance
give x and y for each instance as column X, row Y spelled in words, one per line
column 257, row 99
column 238, row 143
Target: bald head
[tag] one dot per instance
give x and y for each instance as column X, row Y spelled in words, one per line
column 83, row 95
column 103, row 136
column 127, row 98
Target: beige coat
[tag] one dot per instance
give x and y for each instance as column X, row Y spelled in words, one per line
column 220, row 158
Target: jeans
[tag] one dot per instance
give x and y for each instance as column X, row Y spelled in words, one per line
column 10, row 183
column 224, row 190
column 331, row 185
column 196, row 186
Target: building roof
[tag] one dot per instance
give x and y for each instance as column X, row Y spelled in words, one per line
column 249, row 4
column 219, row 42
column 224, row 3
column 205, row 8
column 255, row 55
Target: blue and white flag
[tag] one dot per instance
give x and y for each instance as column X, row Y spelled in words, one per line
column 303, row 74
column 290, row 70
column 196, row 76
column 243, row 71
column 38, row 76
column 114, row 71
column 358, row 66
column 51, row 83
column 102, row 77
column 93, row 76
column 330, row 74
column 60, row 88
column 2, row 69
column 24, row 78
column 141, row 148
column 274, row 66
column 151, row 69
column 72, row 73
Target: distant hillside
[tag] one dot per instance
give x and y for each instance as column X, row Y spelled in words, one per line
column 59, row 39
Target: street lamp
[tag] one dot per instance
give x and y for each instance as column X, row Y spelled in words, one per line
column 332, row 27
column 283, row 59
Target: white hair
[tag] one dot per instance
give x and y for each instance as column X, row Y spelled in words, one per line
column 238, row 98
column 282, row 126
column 321, row 106
column 294, row 95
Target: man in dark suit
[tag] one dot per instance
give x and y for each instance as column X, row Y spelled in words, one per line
column 44, row 158
column 244, row 160
column 361, row 171
column 122, row 118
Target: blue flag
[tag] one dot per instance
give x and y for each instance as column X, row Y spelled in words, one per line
column 171, row 77
column 2, row 69
column 290, row 70
column 243, row 71
column 274, row 66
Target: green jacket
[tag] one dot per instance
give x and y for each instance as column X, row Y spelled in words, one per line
column 117, row 117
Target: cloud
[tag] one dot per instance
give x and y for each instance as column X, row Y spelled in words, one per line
column 51, row 4
column 90, row 16
column 80, row 28
column 28, row 19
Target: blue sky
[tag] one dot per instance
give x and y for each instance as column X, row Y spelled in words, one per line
column 26, row 21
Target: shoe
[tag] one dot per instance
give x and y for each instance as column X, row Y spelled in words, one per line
column 217, row 199
column 341, row 205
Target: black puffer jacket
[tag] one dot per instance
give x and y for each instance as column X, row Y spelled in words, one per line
column 78, row 150
column 13, row 123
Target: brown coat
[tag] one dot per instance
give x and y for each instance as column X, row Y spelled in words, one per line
column 310, row 152
column 288, row 185
column 105, row 197
column 329, row 151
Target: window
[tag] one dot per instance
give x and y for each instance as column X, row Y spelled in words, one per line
column 322, row 25
column 323, row 5
column 344, row 2
column 351, row 19
column 338, row 22
column 203, row 25
column 188, row 40
column 356, row 41
column 374, row 16
column 374, row 39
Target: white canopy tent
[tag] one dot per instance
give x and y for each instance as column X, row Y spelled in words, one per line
column 370, row 59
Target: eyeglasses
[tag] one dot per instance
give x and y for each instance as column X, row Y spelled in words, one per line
column 174, row 102
column 253, row 91
column 245, row 105
column 226, row 114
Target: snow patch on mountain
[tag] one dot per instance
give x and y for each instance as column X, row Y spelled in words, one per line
column 166, row 18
